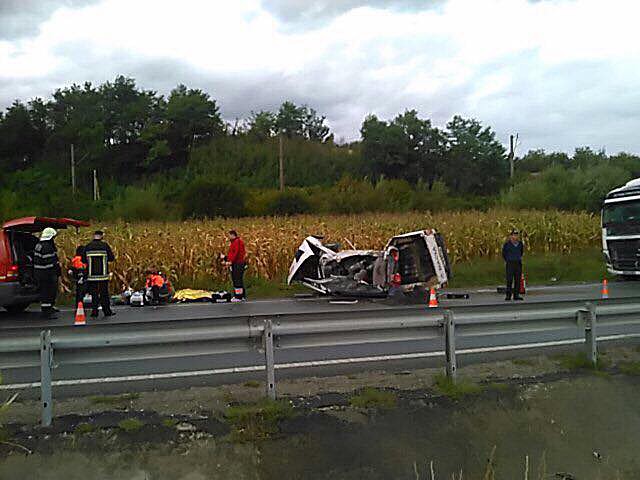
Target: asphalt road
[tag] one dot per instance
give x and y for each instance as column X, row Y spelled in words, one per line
column 487, row 297
column 170, row 367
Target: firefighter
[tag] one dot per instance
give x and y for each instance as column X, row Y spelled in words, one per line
column 512, row 252
column 97, row 255
column 235, row 260
column 47, row 271
column 78, row 272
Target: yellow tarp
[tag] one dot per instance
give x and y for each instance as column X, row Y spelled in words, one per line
column 187, row 294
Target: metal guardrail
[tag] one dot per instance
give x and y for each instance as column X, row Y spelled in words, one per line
column 442, row 329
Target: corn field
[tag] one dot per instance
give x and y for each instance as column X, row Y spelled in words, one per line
column 188, row 251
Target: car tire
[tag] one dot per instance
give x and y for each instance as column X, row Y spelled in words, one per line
column 17, row 308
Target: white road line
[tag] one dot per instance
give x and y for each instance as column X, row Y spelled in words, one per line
column 314, row 363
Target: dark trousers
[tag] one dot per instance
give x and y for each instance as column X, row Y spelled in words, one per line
column 514, row 274
column 237, row 278
column 48, row 290
column 80, row 291
column 100, row 296
column 155, row 292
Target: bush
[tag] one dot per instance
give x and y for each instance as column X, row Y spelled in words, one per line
column 352, row 196
column 289, row 202
column 207, row 198
column 140, row 204
column 394, row 195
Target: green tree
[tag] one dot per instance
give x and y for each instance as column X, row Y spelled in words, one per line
column 475, row 162
column 193, row 118
column 262, row 125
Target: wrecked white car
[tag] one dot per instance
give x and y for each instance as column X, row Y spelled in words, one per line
column 412, row 261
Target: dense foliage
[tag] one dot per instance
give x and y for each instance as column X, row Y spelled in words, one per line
column 159, row 158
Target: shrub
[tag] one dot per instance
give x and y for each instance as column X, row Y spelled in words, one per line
column 352, row 196
column 207, row 198
column 140, row 204
column 289, row 202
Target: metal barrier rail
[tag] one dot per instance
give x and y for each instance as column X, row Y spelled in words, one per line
column 266, row 334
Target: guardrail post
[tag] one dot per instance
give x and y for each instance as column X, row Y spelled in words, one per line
column 590, row 334
column 46, row 365
column 450, row 344
column 267, row 340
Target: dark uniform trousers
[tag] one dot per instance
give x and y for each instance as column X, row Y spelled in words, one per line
column 48, row 288
column 237, row 278
column 514, row 275
column 99, row 290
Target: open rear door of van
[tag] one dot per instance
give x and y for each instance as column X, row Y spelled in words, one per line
column 37, row 224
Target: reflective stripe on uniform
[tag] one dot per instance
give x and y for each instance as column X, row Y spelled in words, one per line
column 46, row 305
column 44, row 267
column 46, row 255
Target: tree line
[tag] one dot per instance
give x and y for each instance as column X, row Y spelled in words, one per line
column 150, row 150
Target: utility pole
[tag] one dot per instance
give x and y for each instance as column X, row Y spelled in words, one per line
column 511, row 155
column 281, row 160
column 73, row 171
column 96, row 189
column 513, row 144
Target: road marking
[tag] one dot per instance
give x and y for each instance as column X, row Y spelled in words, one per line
column 312, row 363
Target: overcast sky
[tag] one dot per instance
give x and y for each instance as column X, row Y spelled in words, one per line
column 561, row 73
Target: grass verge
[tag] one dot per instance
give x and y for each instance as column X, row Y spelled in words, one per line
column 130, row 425
column 84, row 428
column 257, row 421
column 455, row 390
column 374, row 398
column 629, row 368
column 579, row 361
column 581, row 266
column 114, row 400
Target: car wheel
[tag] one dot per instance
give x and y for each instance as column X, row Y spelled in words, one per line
column 17, row 308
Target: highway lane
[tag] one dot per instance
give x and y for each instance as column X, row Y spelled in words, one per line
column 172, row 368
column 479, row 297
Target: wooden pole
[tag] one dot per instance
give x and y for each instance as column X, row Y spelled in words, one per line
column 73, row 171
column 281, row 161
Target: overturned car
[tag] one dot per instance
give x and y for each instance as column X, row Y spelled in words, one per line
column 411, row 261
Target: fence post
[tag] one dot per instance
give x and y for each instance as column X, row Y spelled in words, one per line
column 450, row 344
column 267, row 340
column 46, row 365
column 590, row 334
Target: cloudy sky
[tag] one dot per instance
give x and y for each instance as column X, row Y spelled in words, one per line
column 561, row 73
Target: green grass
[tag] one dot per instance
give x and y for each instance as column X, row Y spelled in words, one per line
column 114, row 400
column 257, row 421
column 583, row 266
column 252, row 384
column 374, row 398
column 461, row 388
column 130, row 425
column 496, row 387
column 579, row 361
column 524, row 362
column 169, row 422
column 629, row 368
column 84, row 428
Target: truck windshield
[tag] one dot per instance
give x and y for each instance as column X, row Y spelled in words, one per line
column 622, row 218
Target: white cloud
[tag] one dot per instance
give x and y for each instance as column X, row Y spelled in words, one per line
column 560, row 72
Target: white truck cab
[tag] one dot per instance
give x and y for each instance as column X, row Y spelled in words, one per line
column 620, row 223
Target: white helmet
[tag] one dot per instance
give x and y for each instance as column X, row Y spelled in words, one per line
column 48, row 233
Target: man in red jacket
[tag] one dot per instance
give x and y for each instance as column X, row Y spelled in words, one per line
column 236, row 261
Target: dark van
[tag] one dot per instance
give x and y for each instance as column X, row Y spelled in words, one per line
column 18, row 288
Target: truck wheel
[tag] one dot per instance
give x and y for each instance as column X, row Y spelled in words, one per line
column 17, row 308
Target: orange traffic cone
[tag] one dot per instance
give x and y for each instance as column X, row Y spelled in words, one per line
column 81, row 318
column 433, row 298
column 605, row 289
column 523, row 285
